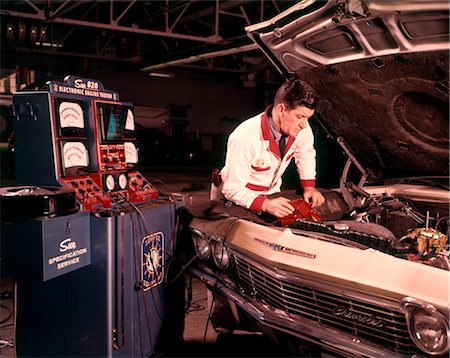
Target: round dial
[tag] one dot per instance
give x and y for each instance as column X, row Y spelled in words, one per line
column 70, row 115
column 123, row 181
column 110, row 182
column 129, row 124
column 131, row 154
column 74, row 155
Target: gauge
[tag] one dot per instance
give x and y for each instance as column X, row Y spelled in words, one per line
column 123, row 181
column 75, row 155
column 71, row 115
column 131, row 155
column 129, row 124
column 110, row 182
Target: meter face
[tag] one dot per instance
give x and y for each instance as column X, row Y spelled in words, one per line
column 110, row 183
column 75, row 155
column 129, row 124
column 123, row 181
column 70, row 115
column 131, row 155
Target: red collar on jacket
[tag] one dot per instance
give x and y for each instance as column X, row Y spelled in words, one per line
column 267, row 135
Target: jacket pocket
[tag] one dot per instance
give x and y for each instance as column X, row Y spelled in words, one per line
column 260, row 169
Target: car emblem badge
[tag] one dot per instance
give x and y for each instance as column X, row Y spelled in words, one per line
column 369, row 320
column 287, row 250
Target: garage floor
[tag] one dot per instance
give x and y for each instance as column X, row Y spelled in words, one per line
column 202, row 341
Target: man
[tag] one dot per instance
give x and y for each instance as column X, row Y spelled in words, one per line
column 254, row 165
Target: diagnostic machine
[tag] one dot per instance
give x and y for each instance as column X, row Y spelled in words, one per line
column 86, row 237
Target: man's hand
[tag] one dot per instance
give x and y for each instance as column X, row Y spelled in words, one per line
column 279, row 207
column 313, row 196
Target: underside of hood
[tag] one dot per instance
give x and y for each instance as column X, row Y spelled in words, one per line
column 381, row 71
column 393, row 115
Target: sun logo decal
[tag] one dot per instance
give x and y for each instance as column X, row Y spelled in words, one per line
column 152, row 260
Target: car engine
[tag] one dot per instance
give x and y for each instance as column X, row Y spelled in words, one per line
column 416, row 229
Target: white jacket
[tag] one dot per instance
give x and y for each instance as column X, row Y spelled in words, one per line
column 253, row 167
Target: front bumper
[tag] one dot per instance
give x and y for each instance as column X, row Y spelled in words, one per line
column 304, row 329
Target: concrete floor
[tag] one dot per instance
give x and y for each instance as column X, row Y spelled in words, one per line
column 202, row 341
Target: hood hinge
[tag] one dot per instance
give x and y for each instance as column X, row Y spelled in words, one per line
column 347, row 187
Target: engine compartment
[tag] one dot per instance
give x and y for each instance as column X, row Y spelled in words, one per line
column 413, row 227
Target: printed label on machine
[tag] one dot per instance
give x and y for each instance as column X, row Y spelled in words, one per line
column 152, row 260
column 67, row 245
column 82, row 87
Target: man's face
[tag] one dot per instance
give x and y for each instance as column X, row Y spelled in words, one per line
column 292, row 121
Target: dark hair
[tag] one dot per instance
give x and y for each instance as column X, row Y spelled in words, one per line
column 295, row 92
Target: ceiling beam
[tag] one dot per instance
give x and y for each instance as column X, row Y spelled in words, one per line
column 116, row 21
column 131, row 29
column 199, row 57
column 211, row 11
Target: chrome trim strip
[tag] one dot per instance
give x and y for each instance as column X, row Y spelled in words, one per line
column 287, row 250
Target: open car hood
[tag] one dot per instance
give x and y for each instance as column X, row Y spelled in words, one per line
column 381, row 70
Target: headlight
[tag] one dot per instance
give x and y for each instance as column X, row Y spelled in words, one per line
column 427, row 326
column 201, row 244
column 221, row 255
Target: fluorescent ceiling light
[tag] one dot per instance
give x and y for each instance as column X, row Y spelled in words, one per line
column 48, row 44
column 203, row 56
column 160, row 74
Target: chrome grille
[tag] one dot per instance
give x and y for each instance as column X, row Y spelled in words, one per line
column 355, row 316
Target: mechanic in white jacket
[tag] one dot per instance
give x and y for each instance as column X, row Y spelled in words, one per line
column 253, row 164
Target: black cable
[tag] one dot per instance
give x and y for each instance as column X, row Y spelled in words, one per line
column 209, row 316
column 213, row 292
column 188, row 301
column 172, row 199
column 147, row 232
column 143, row 221
column 137, row 266
column 438, row 223
column 144, row 235
column 137, row 279
column 184, row 268
column 195, row 306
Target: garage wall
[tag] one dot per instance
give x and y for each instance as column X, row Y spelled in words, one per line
column 212, row 106
column 202, row 112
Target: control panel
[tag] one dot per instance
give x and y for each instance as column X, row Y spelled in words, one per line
column 112, row 156
column 91, row 143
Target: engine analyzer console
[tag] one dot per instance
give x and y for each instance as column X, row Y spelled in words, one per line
column 81, row 136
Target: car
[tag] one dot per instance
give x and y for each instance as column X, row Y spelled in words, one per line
column 368, row 273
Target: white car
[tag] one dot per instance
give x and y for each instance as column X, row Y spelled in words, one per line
column 371, row 277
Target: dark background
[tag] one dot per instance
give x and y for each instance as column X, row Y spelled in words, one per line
column 183, row 120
